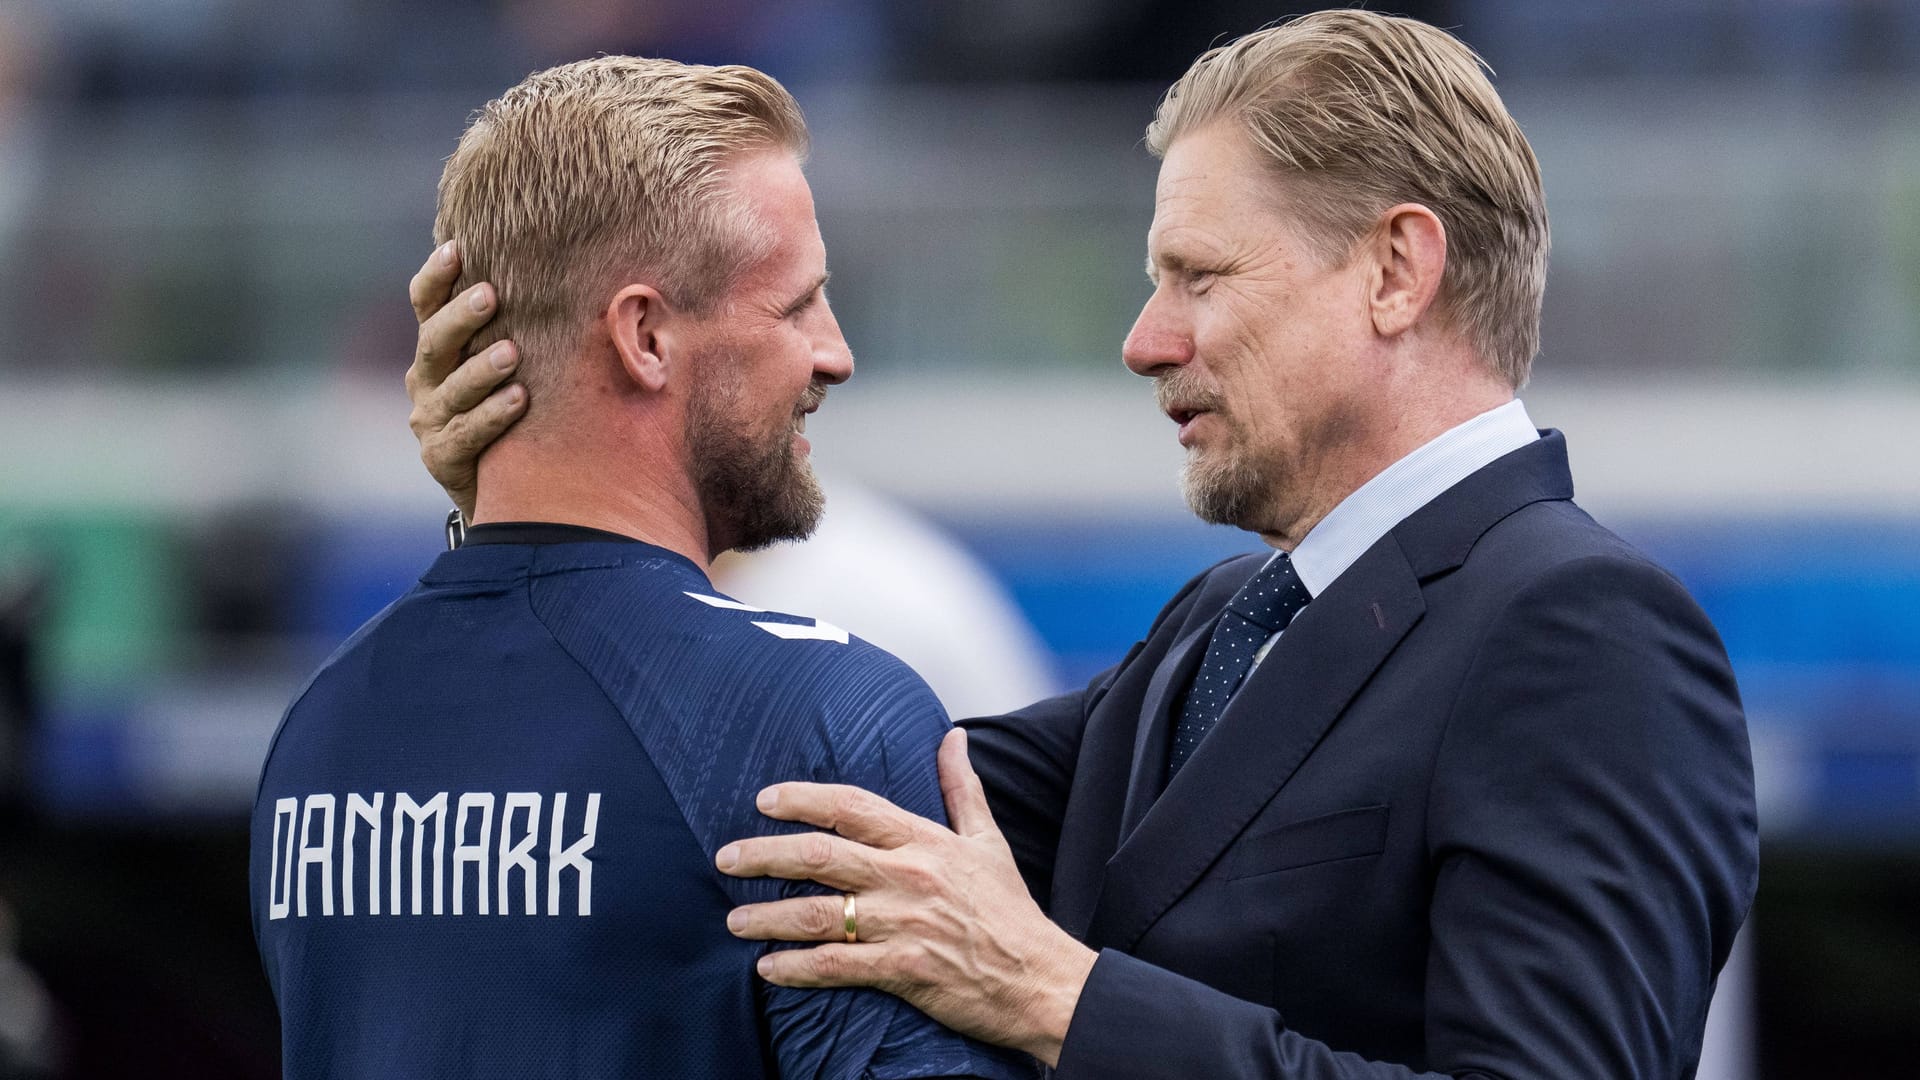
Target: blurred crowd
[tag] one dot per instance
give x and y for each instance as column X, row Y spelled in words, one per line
column 187, row 186
column 106, row 48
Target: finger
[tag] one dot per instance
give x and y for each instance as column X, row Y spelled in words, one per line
column 430, row 287
column 806, row 918
column 444, row 335
column 838, row 964
column 966, row 798
column 855, row 813
column 815, row 856
column 471, row 383
column 460, row 439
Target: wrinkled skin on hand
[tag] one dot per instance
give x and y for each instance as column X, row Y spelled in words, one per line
column 944, row 918
column 459, row 409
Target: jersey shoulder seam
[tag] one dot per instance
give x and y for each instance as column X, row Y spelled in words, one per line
column 626, row 720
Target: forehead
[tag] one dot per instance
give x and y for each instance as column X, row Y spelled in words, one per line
column 770, row 186
column 770, row 181
column 1214, row 190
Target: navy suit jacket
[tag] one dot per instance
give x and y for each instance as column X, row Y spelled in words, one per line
column 1485, row 810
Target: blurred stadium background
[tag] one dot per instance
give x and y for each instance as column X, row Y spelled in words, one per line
column 209, row 210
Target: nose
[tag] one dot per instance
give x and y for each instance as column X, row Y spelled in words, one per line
column 832, row 357
column 1160, row 338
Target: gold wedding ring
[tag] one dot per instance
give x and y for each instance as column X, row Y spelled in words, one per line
column 846, row 911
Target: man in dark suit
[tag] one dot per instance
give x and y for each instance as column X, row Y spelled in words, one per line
column 1453, row 782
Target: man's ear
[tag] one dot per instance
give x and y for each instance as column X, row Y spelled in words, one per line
column 1408, row 249
column 641, row 325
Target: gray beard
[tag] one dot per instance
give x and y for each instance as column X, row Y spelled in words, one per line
column 1225, row 491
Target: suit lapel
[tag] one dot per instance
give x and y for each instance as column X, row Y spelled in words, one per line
column 1119, row 742
column 1156, row 718
column 1269, row 728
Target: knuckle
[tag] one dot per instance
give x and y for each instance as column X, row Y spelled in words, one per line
column 456, row 387
column 829, row 963
column 823, row 918
column 816, row 853
column 845, row 806
column 475, row 436
column 919, row 876
column 475, row 406
column 449, row 436
column 914, row 966
column 463, row 447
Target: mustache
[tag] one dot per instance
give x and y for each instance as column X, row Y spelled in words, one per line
column 816, row 393
column 1182, row 389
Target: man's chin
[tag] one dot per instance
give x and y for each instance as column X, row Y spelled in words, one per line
column 790, row 515
column 760, row 541
column 1219, row 493
column 764, row 540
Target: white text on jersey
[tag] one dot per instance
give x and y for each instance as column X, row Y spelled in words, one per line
column 307, row 859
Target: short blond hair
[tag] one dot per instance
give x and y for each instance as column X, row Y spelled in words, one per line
column 1359, row 112
column 601, row 171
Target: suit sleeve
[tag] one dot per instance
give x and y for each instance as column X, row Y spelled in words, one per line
column 1593, row 844
column 1025, row 760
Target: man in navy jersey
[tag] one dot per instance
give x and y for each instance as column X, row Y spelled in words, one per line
column 482, row 842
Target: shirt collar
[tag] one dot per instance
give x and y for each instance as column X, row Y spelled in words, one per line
column 551, row 545
column 540, row 532
column 1389, row 498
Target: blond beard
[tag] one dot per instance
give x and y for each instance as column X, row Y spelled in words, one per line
column 756, row 491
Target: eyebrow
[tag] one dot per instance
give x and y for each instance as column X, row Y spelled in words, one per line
column 818, row 284
column 1170, row 260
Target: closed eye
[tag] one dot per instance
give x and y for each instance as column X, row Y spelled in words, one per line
column 812, row 296
column 1186, row 275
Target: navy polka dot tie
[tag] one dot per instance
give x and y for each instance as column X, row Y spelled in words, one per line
column 1262, row 607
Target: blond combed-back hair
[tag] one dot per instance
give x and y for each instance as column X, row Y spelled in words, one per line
column 590, row 174
column 1359, row 112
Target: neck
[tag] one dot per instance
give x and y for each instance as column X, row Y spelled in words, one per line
column 623, row 485
column 1399, row 421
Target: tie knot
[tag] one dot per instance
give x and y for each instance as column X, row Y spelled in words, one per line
column 1273, row 597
